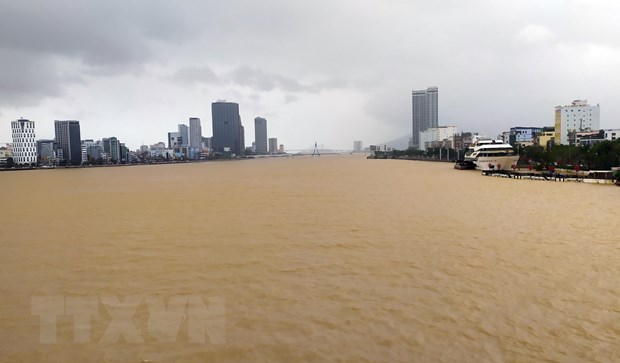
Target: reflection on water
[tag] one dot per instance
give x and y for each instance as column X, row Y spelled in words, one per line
column 331, row 259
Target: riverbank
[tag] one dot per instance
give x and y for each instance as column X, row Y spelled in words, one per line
column 120, row 165
column 413, row 159
column 563, row 175
column 592, row 177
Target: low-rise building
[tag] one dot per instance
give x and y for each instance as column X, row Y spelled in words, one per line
column 206, row 143
column 5, row 153
column 585, row 137
column 464, row 140
column 504, row 136
column 442, row 136
column 524, row 136
column 45, row 151
column 273, row 145
column 611, row 134
column 96, row 153
column 545, row 138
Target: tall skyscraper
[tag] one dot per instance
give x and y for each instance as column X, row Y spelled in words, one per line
column 260, row 135
column 68, row 140
column 24, row 143
column 228, row 132
column 195, row 133
column 425, row 112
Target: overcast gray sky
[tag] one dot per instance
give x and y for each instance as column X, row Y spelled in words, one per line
column 332, row 71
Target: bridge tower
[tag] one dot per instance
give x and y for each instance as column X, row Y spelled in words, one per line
column 315, row 152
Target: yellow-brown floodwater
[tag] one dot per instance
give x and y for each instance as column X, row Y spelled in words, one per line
column 335, row 259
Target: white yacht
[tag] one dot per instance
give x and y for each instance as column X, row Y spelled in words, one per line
column 491, row 155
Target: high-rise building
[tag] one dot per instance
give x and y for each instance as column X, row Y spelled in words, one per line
column 260, row 135
column 432, row 99
column 105, row 143
column 425, row 112
column 115, row 150
column 68, row 141
column 195, row 133
column 24, row 144
column 184, row 134
column 241, row 137
column 358, row 146
column 273, row 145
column 206, row 143
column 45, row 151
column 174, row 140
column 124, row 153
column 579, row 116
column 228, row 132
column 86, row 144
column 112, row 148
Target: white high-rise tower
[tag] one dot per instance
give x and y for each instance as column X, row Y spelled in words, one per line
column 577, row 117
column 24, row 143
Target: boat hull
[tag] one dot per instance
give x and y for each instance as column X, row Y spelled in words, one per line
column 504, row 162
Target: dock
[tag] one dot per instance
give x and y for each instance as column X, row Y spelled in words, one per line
column 594, row 177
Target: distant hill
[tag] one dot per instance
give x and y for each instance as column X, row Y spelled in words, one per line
column 402, row 143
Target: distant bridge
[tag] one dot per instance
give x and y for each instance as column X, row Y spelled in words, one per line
column 321, row 152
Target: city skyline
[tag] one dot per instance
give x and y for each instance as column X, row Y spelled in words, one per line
column 335, row 83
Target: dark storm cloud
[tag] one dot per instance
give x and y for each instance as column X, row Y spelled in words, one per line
column 191, row 75
column 265, row 81
column 97, row 32
column 103, row 37
column 253, row 78
column 24, row 79
column 290, row 98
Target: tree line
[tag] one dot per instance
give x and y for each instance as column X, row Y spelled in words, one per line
column 602, row 155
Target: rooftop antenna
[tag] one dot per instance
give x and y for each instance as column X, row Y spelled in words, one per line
column 315, row 152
